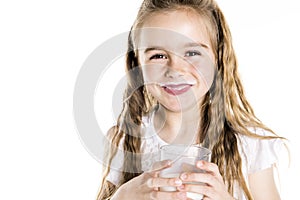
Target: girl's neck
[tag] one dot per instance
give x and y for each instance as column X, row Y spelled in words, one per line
column 177, row 127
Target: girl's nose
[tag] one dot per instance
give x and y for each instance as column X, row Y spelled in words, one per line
column 176, row 67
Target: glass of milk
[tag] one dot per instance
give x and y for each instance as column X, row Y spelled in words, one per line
column 184, row 159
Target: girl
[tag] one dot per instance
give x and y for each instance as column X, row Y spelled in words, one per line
column 183, row 87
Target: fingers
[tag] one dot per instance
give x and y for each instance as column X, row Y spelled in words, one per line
column 199, row 177
column 209, row 183
column 161, row 182
column 210, row 168
column 168, row 188
column 197, row 189
column 208, row 186
column 168, row 195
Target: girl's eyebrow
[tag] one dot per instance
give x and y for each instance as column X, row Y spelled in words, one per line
column 153, row 49
column 190, row 44
column 196, row 44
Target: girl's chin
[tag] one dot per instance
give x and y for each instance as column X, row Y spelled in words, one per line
column 180, row 104
column 178, row 108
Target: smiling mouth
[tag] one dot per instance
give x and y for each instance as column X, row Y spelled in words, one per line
column 176, row 89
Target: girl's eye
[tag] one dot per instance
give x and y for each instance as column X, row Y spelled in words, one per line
column 158, row 56
column 192, row 53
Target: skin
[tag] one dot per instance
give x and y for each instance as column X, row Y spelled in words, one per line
column 262, row 185
column 180, row 118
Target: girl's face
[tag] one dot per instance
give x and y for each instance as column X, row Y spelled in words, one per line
column 176, row 57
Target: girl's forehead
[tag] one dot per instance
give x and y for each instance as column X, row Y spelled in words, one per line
column 158, row 38
column 173, row 29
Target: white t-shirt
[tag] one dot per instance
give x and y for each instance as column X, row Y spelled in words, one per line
column 256, row 154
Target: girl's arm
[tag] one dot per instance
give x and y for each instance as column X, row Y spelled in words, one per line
column 262, row 185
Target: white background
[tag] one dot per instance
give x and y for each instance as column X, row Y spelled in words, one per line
column 42, row 47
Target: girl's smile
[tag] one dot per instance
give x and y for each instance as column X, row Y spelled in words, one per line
column 177, row 89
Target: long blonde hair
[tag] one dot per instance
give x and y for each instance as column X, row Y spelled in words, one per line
column 225, row 110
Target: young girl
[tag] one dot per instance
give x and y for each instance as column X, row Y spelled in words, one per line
column 183, row 88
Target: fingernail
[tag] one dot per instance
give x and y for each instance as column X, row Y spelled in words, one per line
column 200, row 164
column 183, row 176
column 178, row 182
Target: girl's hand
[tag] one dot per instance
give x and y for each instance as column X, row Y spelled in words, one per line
column 213, row 187
column 146, row 186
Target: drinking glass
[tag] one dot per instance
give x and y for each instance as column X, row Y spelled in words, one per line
column 183, row 159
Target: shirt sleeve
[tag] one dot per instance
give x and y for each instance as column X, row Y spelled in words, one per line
column 262, row 153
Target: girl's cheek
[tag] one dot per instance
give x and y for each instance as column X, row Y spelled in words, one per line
column 204, row 70
column 152, row 74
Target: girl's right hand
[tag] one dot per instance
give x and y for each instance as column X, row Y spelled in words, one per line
column 146, row 186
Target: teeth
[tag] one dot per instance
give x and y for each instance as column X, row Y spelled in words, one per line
column 177, row 87
column 178, row 84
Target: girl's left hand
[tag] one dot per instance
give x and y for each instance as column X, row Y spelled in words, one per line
column 213, row 188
